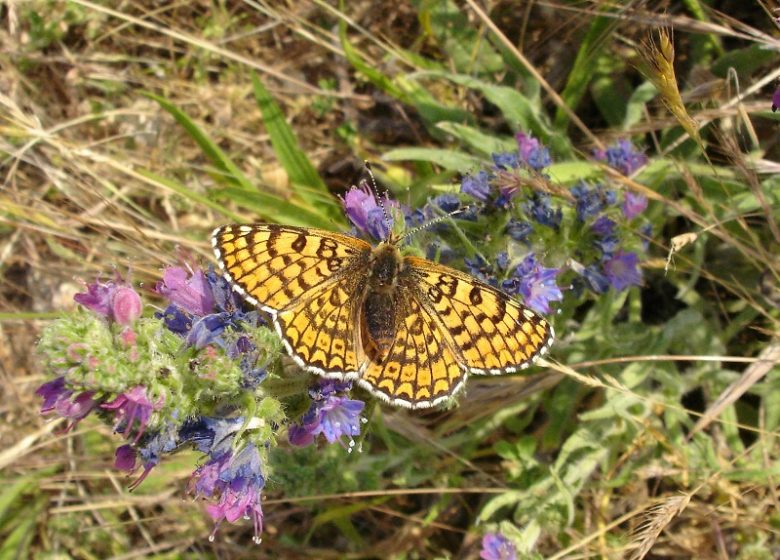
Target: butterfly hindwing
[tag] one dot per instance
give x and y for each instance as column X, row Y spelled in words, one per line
column 319, row 330
column 420, row 368
column 492, row 333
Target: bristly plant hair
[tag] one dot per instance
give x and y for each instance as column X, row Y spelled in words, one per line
column 378, row 198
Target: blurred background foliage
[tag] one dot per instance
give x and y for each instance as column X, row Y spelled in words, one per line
column 129, row 130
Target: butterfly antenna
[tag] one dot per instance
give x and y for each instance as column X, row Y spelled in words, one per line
column 435, row 221
column 378, row 199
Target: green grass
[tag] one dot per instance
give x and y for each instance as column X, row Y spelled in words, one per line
column 651, row 431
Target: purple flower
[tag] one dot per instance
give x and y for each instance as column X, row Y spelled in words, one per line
column 210, row 434
column 633, row 204
column 603, row 226
column 595, row 280
column 226, row 299
column 480, row 269
column 115, row 302
column 176, row 320
column 477, row 185
column 496, row 546
column 132, row 407
column 607, row 240
column 203, row 307
column 327, row 387
column 447, row 202
column 207, row 330
column 532, row 152
column 57, row 398
column 97, row 298
column 776, row 99
column 363, row 209
column 536, row 283
column 331, row 415
column 237, row 479
column 519, row 231
column 124, row 458
column 622, row 156
column 607, row 244
column 150, row 451
column 247, row 354
column 622, row 270
column 539, row 208
column 506, row 160
column 502, row 260
column 377, row 225
column 52, row 392
column 189, row 291
column 591, row 201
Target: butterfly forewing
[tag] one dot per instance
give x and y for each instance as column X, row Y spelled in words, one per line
column 274, row 266
column 491, row 332
column 311, row 282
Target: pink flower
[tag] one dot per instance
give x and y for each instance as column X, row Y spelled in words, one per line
column 191, row 292
column 132, row 407
column 126, row 305
column 57, row 398
column 115, row 302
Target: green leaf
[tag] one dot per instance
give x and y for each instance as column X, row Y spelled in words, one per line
column 635, row 108
column 188, row 193
column 569, row 172
column 276, row 209
column 16, row 545
column 448, row 159
column 403, row 88
column 305, row 180
column 12, row 492
column 520, row 112
column 468, row 49
column 478, row 140
column 582, row 70
column 506, row 499
column 229, row 171
column 745, row 61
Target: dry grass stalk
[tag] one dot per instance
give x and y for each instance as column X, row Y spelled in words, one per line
column 655, row 521
column 659, row 69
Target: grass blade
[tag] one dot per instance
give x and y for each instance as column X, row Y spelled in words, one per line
column 306, row 182
column 229, row 170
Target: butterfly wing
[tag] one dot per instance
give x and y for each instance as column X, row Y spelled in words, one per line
column 490, row 332
column 421, row 368
column 311, row 282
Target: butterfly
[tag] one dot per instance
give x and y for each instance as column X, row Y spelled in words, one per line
column 408, row 330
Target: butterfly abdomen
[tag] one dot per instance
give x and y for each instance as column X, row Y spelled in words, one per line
column 379, row 311
column 379, row 308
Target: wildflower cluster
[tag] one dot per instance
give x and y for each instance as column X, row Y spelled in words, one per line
column 203, row 370
column 193, row 374
column 530, row 237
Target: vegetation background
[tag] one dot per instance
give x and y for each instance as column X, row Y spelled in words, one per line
column 128, row 130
